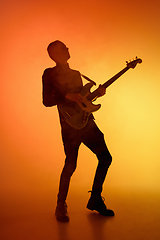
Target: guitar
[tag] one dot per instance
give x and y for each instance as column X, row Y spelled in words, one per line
column 76, row 115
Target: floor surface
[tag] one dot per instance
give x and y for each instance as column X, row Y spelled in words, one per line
column 137, row 217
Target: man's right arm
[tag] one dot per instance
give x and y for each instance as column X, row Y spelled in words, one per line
column 49, row 99
column 53, row 95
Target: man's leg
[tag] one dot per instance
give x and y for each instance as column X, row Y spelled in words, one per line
column 69, row 168
column 71, row 146
column 96, row 202
column 61, row 209
column 96, row 143
column 104, row 161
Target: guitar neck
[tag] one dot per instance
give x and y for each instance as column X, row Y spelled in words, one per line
column 94, row 94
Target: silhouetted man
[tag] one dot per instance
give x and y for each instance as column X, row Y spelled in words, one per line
column 61, row 83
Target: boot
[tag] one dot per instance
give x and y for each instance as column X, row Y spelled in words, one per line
column 61, row 212
column 96, row 202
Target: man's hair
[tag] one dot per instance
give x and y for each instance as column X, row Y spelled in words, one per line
column 51, row 49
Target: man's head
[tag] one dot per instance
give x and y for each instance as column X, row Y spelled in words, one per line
column 58, row 52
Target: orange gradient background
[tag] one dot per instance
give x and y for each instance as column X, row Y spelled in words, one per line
column 101, row 36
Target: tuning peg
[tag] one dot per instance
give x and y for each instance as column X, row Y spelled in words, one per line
column 127, row 62
column 136, row 57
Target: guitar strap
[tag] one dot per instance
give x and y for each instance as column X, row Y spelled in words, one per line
column 88, row 79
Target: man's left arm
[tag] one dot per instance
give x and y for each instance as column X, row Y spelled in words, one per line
column 101, row 90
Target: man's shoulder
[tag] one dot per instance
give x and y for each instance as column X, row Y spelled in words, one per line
column 76, row 72
column 48, row 74
column 49, row 70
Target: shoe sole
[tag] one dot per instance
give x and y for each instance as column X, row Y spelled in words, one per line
column 109, row 213
column 62, row 219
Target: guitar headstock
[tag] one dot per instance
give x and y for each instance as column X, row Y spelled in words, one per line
column 132, row 64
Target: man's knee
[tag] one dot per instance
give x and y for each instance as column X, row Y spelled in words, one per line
column 69, row 168
column 105, row 159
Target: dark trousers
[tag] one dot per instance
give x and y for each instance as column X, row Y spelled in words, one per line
column 93, row 138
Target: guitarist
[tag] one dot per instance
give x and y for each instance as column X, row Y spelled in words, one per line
column 60, row 83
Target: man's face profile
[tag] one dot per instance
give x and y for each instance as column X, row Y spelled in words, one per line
column 58, row 52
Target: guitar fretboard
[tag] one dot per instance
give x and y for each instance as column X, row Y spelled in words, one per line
column 94, row 94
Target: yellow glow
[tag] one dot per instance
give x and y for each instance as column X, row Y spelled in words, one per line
column 101, row 37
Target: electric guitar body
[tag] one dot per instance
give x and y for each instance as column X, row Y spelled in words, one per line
column 76, row 115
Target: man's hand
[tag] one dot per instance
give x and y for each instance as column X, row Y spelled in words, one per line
column 76, row 97
column 101, row 90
